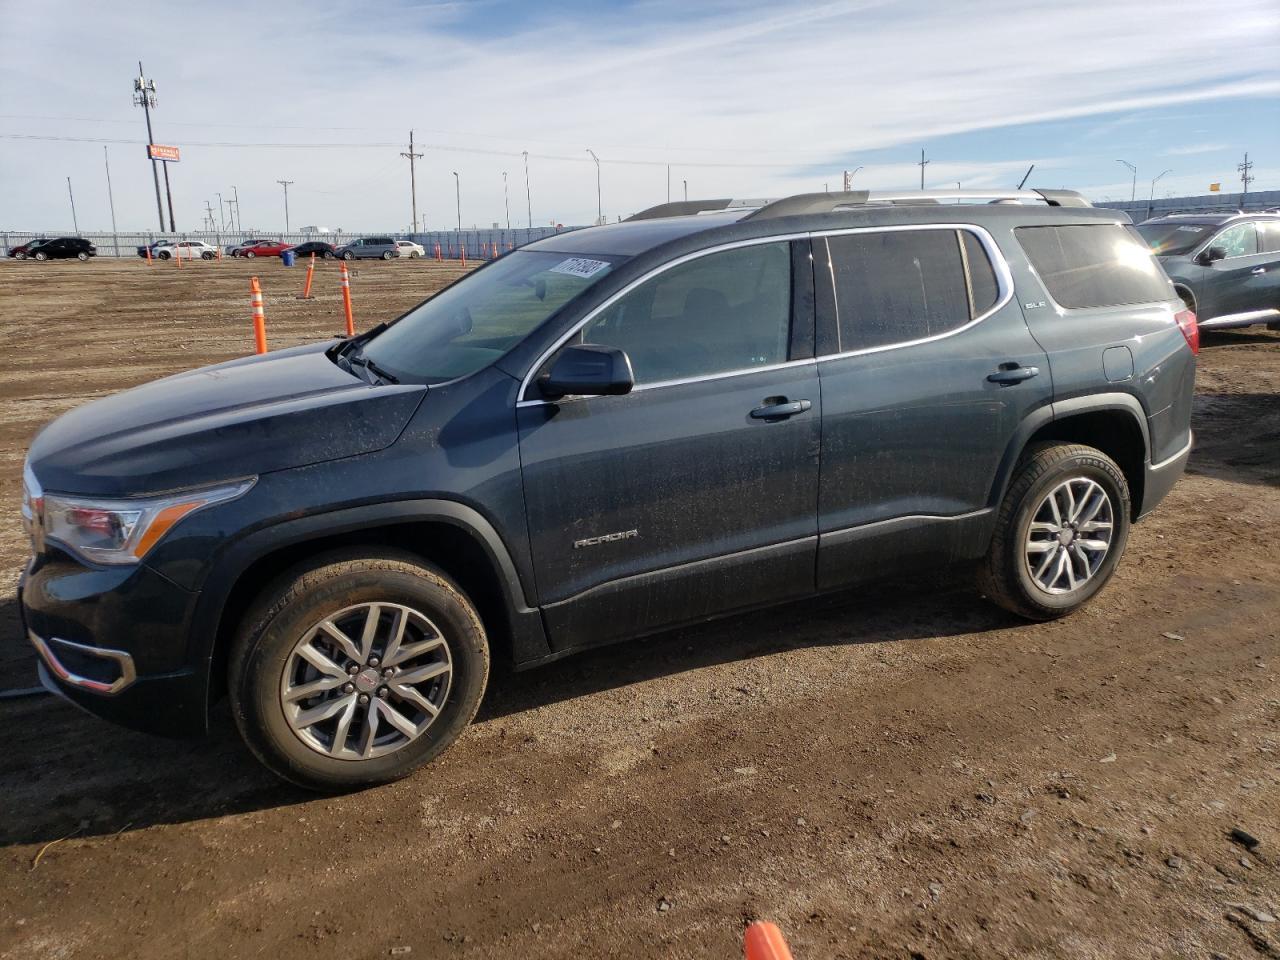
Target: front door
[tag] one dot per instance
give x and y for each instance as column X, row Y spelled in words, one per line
column 929, row 370
column 694, row 494
column 1230, row 284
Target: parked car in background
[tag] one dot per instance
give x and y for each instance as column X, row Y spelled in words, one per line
column 63, row 248
column 263, row 248
column 410, row 249
column 604, row 434
column 367, row 248
column 154, row 246
column 20, row 252
column 1226, row 267
column 318, row 247
column 187, row 250
column 237, row 249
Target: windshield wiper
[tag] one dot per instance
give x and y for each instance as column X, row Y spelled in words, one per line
column 358, row 359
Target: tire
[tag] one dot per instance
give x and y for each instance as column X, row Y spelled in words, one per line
column 348, row 255
column 250, row 254
column 328, row 255
column 414, row 255
column 82, row 257
column 387, row 255
column 41, row 256
column 20, row 256
column 339, row 588
column 163, row 255
column 206, row 255
column 1006, row 575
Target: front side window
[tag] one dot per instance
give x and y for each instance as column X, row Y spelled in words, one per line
column 1095, row 265
column 469, row 325
column 899, row 286
column 721, row 312
column 1240, row 240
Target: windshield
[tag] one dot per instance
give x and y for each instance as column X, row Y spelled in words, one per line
column 470, row 324
column 1172, row 239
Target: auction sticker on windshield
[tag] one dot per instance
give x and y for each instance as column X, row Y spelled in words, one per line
column 580, row 267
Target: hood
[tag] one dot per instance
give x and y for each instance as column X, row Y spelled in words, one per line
column 250, row 416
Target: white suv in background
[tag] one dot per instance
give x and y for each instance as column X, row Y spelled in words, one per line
column 408, row 248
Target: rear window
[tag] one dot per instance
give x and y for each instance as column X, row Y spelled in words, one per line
column 1094, row 265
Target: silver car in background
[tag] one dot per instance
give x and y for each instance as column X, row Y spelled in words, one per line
column 367, row 248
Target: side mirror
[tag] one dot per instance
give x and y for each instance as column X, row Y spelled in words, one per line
column 1210, row 255
column 589, row 370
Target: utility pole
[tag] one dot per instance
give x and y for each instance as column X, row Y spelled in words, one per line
column 668, row 183
column 1133, row 192
column 106, row 162
column 144, row 96
column 1151, row 199
column 286, row 184
column 413, row 181
column 168, row 195
column 923, row 163
column 222, row 216
column 527, row 198
column 74, row 222
column 686, row 189
column 208, row 212
column 238, row 222
column 1246, row 177
column 506, row 198
column 457, row 185
column 599, row 204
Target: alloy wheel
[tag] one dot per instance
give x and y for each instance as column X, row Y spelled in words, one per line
column 366, row 681
column 1069, row 536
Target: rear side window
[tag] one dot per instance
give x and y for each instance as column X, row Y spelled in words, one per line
column 1094, row 265
column 898, row 286
column 1269, row 236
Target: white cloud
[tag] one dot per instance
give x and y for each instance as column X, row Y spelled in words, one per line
column 797, row 91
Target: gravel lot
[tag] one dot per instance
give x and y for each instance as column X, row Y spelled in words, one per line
column 903, row 772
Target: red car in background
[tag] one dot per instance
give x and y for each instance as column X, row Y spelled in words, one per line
column 263, row 248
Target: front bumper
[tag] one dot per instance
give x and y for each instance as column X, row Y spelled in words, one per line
column 115, row 641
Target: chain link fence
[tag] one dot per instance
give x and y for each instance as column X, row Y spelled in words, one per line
column 477, row 244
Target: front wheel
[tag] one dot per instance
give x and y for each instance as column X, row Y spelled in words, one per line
column 206, row 255
column 82, row 256
column 355, row 669
column 20, row 256
column 1060, row 531
column 348, row 255
column 328, row 254
column 250, row 254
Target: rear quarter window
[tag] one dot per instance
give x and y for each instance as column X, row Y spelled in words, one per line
column 1094, row 265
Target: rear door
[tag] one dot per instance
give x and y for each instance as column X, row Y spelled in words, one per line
column 927, row 371
column 682, row 499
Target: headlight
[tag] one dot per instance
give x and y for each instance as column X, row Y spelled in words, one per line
column 122, row 531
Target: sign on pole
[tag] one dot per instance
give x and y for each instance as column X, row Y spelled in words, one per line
column 158, row 151
column 1215, row 187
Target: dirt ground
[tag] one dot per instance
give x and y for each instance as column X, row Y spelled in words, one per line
column 902, row 772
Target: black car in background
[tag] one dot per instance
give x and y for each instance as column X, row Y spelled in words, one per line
column 318, row 247
column 21, row 251
column 63, row 248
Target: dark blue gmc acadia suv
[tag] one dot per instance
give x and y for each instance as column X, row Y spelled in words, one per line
column 710, row 407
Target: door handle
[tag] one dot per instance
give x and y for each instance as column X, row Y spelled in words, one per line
column 1011, row 373
column 780, row 408
column 1257, row 270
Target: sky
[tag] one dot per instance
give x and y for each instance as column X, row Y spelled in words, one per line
column 744, row 99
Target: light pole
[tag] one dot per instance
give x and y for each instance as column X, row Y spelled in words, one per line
column 506, row 198
column 848, row 178
column 1151, row 199
column 599, row 205
column 74, row 222
column 457, row 183
column 528, row 199
column 1133, row 193
column 686, row 189
column 111, row 200
column 285, row 184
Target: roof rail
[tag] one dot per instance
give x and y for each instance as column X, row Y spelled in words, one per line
column 688, row 208
column 808, row 203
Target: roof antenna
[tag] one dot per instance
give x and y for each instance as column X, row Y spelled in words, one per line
column 1028, row 173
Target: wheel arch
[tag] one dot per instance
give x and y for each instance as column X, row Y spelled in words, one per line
column 1114, row 423
column 454, row 538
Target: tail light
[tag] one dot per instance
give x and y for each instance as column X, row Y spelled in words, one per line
column 1190, row 329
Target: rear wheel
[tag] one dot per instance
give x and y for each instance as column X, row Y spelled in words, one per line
column 250, row 254
column 328, row 254
column 41, row 255
column 387, row 255
column 163, row 255
column 1060, row 532
column 356, row 669
column 82, row 256
column 207, row 255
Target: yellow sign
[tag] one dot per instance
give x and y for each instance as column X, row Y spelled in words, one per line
column 1215, row 187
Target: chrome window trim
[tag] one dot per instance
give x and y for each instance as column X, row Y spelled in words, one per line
column 1004, row 281
column 527, row 381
